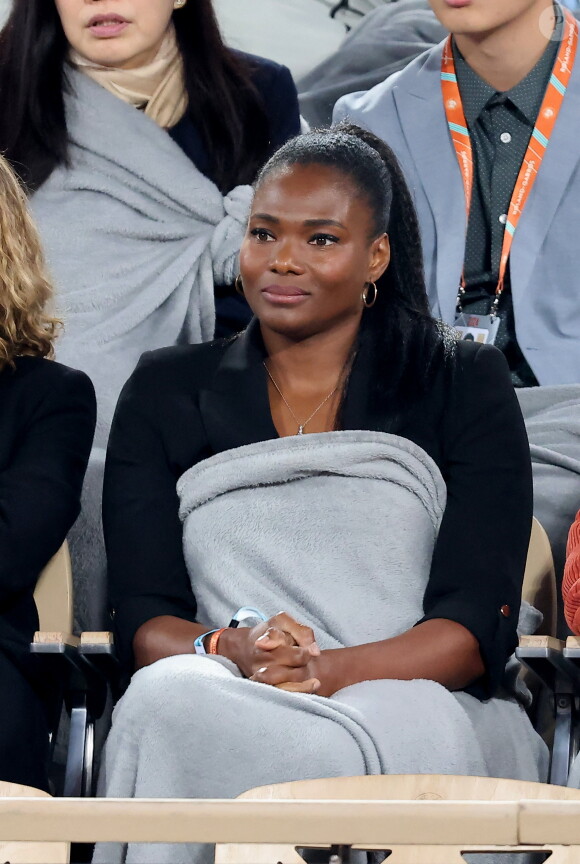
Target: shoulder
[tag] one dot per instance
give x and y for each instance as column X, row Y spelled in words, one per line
column 178, row 368
column 48, row 380
column 420, row 76
column 265, row 72
column 480, row 364
column 481, row 394
column 278, row 92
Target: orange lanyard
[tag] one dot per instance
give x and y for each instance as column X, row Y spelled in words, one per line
column 539, row 139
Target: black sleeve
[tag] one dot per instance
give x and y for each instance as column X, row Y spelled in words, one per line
column 40, row 490
column 143, row 534
column 480, row 555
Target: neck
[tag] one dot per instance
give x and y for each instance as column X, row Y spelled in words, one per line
column 311, row 364
column 504, row 56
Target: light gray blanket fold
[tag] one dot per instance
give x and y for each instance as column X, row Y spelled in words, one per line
column 337, row 529
column 135, row 237
column 552, row 416
column 382, row 43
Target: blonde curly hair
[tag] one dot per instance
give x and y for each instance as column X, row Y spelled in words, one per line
column 25, row 289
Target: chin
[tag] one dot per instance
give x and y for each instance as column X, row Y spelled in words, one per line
column 461, row 20
column 286, row 323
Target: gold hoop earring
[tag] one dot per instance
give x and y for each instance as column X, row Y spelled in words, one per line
column 179, row 4
column 239, row 286
column 365, row 295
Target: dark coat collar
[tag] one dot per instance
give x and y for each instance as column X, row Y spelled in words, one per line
column 236, row 409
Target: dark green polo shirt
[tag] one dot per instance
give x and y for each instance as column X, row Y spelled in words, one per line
column 500, row 126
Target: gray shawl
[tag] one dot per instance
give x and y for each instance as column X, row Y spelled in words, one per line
column 135, row 237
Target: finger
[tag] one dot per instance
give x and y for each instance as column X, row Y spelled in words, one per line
column 274, row 637
column 284, row 655
column 302, row 635
column 280, row 675
column 310, row 686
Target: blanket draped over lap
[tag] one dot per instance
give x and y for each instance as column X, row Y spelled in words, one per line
column 552, row 416
column 338, row 530
column 135, row 238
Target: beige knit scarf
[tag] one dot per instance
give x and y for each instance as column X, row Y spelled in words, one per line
column 158, row 89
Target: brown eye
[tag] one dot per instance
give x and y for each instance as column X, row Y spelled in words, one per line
column 261, row 234
column 323, row 240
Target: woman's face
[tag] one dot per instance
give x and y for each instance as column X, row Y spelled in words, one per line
column 309, row 251
column 121, row 33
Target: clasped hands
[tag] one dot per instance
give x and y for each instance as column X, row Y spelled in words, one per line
column 280, row 652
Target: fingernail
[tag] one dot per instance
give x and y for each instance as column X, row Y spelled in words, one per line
column 315, row 686
column 314, row 649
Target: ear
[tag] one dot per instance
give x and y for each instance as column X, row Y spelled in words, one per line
column 380, row 256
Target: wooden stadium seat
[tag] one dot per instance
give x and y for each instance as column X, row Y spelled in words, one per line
column 30, row 853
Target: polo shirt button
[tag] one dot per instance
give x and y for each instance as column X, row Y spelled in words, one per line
column 503, row 218
column 505, row 137
column 506, row 611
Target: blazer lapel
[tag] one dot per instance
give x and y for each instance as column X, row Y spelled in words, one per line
column 419, row 105
column 561, row 160
column 235, row 407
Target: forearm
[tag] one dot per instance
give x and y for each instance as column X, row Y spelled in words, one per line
column 168, row 635
column 165, row 636
column 438, row 650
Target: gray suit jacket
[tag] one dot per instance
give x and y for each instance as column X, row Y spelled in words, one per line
column 407, row 111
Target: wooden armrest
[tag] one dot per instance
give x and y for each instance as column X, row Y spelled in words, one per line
column 97, row 637
column 47, row 638
column 544, row 656
column 573, row 646
column 541, row 642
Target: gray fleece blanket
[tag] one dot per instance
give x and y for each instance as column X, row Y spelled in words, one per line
column 337, row 529
column 135, row 237
column 382, row 43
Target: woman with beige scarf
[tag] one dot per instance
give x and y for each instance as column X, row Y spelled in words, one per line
column 136, row 131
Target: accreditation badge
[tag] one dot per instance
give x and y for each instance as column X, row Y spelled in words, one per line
column 477, row 328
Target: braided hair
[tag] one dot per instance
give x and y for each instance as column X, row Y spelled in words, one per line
column 406, row 344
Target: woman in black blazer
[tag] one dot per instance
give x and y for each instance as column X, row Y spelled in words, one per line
column 342, row 344
column 405, row 373
column 47, row 420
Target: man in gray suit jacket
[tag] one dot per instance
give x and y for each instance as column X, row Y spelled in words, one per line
column 504, row 55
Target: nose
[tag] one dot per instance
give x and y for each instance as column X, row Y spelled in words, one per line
column 284, row 260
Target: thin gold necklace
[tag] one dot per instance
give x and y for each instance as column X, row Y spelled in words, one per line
column 301, row 424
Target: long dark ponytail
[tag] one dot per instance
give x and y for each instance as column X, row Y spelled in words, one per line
column 407, row 346
column 223, row 102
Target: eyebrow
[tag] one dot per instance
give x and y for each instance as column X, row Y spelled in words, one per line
column 310, row 223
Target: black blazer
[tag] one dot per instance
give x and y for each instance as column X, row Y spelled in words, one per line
column 184, row 404
column 47, row 421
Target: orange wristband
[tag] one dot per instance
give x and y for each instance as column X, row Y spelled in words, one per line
column 213, row 641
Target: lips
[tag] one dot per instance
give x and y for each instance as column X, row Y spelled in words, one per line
column 107, row 25
column 107, row 19
column 457, row 4
column 284, row 295
column 284, row 291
